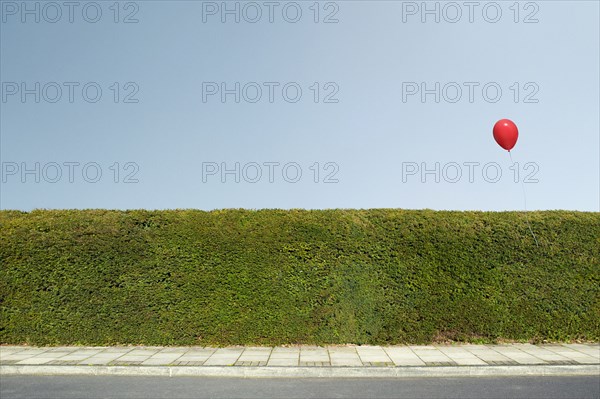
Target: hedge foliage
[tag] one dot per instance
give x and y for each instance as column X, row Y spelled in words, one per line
column 266, row 277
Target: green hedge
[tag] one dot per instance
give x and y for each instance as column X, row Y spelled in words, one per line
column 381, row 276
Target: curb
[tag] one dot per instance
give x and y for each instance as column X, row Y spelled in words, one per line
column 305, row 372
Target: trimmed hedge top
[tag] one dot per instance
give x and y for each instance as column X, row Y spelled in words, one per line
column 268, row 277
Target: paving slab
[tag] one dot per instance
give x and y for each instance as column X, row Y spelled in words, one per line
column 250, row 358
column 343, row 362
column 142, row 352
column 175, row 350
column 199, row 353
column 88, row 352
column 109, row 354
column 462, row 356
column 468, row 361
column 129, row 358
column 32, row 351
column 344, row 356
column 583, row 359
column 258, row 349
column 35, row 360
column 187, row 357
column 162, row 355
column 373, row 354
column 423, row 347
column 117, row 349
column 283, row 362
column 287, row 355
column 98, row 361
column 158, row 361
column 400, row 352
column 224, row 357
column 313, row 354
column 76, row 357
column 286, row 349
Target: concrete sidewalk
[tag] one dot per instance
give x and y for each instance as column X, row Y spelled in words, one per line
column 306, row 361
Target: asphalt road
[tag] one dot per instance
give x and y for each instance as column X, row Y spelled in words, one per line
column 81, row 387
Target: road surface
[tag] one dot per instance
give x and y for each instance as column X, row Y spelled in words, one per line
column 80, row 387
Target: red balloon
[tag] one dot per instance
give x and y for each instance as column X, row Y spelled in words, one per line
column 506, row 134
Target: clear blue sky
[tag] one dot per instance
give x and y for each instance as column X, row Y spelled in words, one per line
column 370, row 61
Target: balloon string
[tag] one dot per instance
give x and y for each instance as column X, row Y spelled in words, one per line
column 524, row 201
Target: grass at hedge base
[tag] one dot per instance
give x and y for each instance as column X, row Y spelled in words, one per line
column 381, row 276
